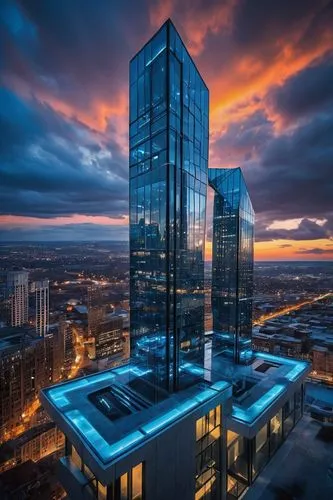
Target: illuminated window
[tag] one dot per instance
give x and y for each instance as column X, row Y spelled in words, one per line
column 102, row 491
column 130, row 485
column 137, row 482
column 76, row 458
column 208, row 433
column 124, row 487
column 209, row 423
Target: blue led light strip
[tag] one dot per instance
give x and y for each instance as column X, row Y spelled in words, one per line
column 103, row 449
column 252, row 412
column 298, row 366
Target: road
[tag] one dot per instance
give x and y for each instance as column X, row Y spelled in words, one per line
column 265, row 317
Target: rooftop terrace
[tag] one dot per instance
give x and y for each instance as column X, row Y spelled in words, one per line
column 112, row 412
column 258, row 384
column 110, row 416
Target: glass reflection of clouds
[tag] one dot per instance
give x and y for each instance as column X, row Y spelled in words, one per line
column 232, row 264
column 168, row 142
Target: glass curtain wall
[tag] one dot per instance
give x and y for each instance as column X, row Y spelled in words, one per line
column 232, row 264
column 168, row 184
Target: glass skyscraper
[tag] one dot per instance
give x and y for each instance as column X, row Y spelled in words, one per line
column 166, row 425
column 168, row 185
column 232, row 264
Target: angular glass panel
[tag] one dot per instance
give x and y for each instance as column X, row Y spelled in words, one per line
column 232, row 264
column 167, row 219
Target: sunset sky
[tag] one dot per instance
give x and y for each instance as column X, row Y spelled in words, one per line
column 64, row 113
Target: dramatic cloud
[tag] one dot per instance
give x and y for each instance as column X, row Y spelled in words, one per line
column 64, row 110
column 306, row 93
column 51, row 166
column 306, row 230
column 314, row 251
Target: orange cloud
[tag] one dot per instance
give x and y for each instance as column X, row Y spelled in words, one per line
column 18, row 221
column 287, row 250
column 196, row 25
column 232, row 93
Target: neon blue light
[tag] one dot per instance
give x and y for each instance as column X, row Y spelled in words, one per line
column 153, row 58
column 170, row 416
column 250, row 414
column 298, row 366
column 58, row 398
column 196, row 370
column 58, row 395
column 137, row 371
column 96, row 441
column 187, row 406
column 122, row 370
column 101, row 377
column 160, row 422
column 293, row 374
column 220, row 385
column 203, row 396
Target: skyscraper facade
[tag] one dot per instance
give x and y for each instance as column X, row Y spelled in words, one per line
column 18, row 294
column 165, row 425
column 168, row 183
column 232, row 264
column 41, row 289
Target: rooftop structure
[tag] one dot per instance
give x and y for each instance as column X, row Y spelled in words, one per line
column 113, row 412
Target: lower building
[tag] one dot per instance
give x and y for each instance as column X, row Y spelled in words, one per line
column 268, row 400
column 209, row 441
column 34, row 444
column 31, row 480
column 23, row 373
column 107, row 340
column 119, row 444
column 322, row 360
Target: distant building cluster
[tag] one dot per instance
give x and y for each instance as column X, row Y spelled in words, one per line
column 306, row 334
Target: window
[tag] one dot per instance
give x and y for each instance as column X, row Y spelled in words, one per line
column 275, row 432
column 208, row 432
column 237, row 455
column 124, row 487
column 288, row 416
column 102, row 491
column 234, row 487
column 130, row 485
column 261, row 438
column 137, row 482
column 76, row 458
column 261, row 450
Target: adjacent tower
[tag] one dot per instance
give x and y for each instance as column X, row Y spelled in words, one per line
column 41, row 289
column 18, row 294
column 168, row 185
column 232, row 266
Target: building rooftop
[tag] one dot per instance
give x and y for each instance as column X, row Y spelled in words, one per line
column 111, row 412
column 259, row 384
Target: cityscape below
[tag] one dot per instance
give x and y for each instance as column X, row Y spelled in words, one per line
column 293, row 317
column 153, row 369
